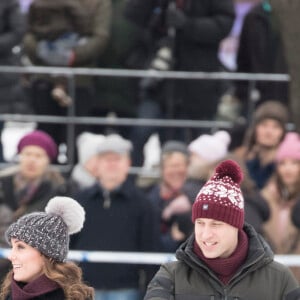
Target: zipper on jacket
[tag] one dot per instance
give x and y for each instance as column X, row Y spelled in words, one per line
column 107, row 200
column 225, row 294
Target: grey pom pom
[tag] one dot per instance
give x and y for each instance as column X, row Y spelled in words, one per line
column 69, row 210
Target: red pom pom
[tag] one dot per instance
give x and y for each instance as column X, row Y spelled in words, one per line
column 231, row 169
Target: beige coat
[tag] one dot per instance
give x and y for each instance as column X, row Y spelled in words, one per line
column 279, row 231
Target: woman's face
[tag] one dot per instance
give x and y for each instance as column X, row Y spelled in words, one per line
column 34, row 162
column 289, row 171
column 27, row 262
column 268, row 133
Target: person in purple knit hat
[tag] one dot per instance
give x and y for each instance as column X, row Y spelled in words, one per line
column 224, row 258
column 27, row 186
column 40, row 139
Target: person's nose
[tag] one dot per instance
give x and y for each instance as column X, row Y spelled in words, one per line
column 206, row 232
column 11, row 256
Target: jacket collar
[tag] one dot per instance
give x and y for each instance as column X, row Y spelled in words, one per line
column 259, row 252
column 125, row 189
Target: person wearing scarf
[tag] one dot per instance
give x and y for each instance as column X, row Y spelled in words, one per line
column 39, row 247
column 224, row 258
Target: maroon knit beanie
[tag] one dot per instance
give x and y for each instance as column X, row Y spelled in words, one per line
column 221, row 197
column 41, row 139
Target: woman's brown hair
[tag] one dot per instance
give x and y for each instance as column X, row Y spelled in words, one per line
column 67, row 275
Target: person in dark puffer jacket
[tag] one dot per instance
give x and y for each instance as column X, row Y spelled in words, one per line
column 225, row 258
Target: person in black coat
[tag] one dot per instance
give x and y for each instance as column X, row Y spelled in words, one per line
column 183, row 36
column 12, row 26
column 261, row 51
column 119, row 217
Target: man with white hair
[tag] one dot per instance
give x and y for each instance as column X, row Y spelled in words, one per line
column 118, row 218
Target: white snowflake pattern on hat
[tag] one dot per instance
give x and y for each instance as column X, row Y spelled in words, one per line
column 221, row 197
column 221, row 191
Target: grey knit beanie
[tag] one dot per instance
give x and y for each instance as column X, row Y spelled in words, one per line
column 49, row 231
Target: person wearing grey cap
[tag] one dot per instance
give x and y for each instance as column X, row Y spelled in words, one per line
column 173, row 195
column 119, row 217
column 39, row 247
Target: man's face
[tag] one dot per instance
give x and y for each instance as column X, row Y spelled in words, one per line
column 216, row 239
column 269, row 133
column 174, row 170
column 113, row 169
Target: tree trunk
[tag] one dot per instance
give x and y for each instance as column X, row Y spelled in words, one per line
column 288, row 12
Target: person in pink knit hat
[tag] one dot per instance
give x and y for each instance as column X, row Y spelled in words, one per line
column 282, row 193
column 224, row 258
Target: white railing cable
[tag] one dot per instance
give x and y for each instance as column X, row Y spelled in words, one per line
column 114, row 121
column 141, row 257
column 145, row 73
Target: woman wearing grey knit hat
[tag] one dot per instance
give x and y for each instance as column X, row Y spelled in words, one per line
column 40, row 244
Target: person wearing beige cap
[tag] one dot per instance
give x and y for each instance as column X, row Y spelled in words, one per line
column 119, row 217
column 224, row 258
column 265, row 133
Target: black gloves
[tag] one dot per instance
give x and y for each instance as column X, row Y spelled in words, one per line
column 293, row 295
column 175, row 17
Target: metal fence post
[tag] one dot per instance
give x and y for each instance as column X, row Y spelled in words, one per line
column 71, row 112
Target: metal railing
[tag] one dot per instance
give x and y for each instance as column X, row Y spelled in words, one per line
column 71, row 120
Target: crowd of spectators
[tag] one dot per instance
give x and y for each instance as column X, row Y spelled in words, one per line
column 121, row 213
column 159, row 35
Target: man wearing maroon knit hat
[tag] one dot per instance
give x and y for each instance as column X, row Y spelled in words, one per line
column 225, row 258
